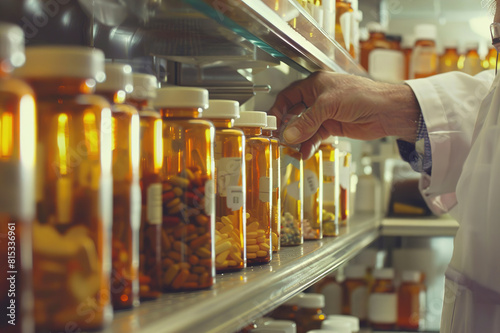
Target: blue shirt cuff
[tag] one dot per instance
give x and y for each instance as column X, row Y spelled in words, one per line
column 419, row 154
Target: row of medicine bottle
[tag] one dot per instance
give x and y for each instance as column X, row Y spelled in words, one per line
column 115, row 191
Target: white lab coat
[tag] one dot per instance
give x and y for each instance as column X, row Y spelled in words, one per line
column 462, row 114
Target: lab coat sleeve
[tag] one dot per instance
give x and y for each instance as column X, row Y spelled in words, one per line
column 450, row 103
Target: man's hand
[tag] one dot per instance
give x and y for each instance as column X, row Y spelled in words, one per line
column 345, row 105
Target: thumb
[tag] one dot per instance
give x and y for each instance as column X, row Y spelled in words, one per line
column 303, row 127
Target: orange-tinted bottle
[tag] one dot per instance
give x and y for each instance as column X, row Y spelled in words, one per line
column 230, row 215
column 331, row 187
column 287, row 310
column 145, row 86
column 376, row 40
column 424, row 60
column 313, row 197
column 258, row 184
column 409, row 298
column 491, row 58
column 407, row 49
column 343, row 23
column 310, row 314
column 344, row 181
column 125, row 145
column 18, row 126
column 355, row 292
column 71, row 234
column 276, row 181
column 448, row 61
column 188, row 194
column 382, row 302
column 472, row 61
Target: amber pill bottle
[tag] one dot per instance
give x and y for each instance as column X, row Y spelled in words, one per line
column 382, row 302
column 409, row 297
column 313, row 197
column 188, row 194
column 310, row 314
column 230, row 214
column 71, row 234
column 331, row 187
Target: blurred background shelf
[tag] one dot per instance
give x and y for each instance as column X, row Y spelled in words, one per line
column 239, row 297
column 430, row 226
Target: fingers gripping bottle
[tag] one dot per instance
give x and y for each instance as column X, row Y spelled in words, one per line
column 17, row 175
column 71, row 234
column 276, row 181
column 230, row 225
column 125, row 144
column 188, row 253
column 144, row 93
column 258, row 178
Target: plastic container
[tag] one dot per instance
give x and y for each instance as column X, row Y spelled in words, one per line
column 345, row 159
column 331, row 187
column 258, row 184
column 18, row 129
column 382, row 302
column 313, row 197
column 188, row 194
column 448, row 61
column 71, row 235
column 352, row 320
column 332, row 290
column 292, row 200
column 336, row 325
column 355, row 292
column 230, row 230
column 125, row 145
column 276, row 181
column 472, row 61
column 288, row 310
column 409, row 298
column 310, row 312
column 376, row 40
column 151, row 164
column 424, row 59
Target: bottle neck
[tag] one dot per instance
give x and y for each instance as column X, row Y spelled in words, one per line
column 45, row 87
column 252, row 131
column 222, row 123
column 267, row 133
column 139, row 104
column 377, row 35
column 181, row 112
column 114, row 97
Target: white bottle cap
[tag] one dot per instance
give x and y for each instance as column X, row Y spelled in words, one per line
column 355, row 272
column 375, row 27
column 284, row 326
column 344, row 146
column 312, row 301
column 384, row 273
column 222, row 109
column 450, row 44
column 118, row 77
column 63, row 61
column 352, row 320
column 471, row 45
column 294, row 300
column 411, row 276
column 145, row 86
column 336, row 325
column 181, row 97
column 408, row 41
column 322, row 331
column 12, row 44
column 271, row 123
column 251, row 119
column 425, row 32
column 331, row 140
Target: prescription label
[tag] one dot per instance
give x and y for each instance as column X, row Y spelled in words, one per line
column 382, row 308
column 235, row 197
column 209, row 197
column 136, row 203
column 329, row 168
column 424, row 61
column 311, row 183
column 153, row 204
column 228, row 171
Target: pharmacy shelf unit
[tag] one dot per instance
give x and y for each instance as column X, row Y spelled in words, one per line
column 239, row 297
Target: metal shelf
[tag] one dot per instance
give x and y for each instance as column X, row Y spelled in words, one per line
column 304, row 46
column 431, row 226
column 237, row 298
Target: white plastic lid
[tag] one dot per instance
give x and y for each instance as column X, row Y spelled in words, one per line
column 251, row 119
column 331, row 140
column 450, row 44
column 312, row 301
column 375, row 27
column 336, row 325
column 271, row 123
column 12, row 44
column 355, row 272
column 322, row 331
column 63, row 61
column 344, row 146
column 145, row 86
column 383, row 273
column 181, row 97
column 471, row 45
column 284, row 326
column 222, row 109
column 352, row 320
column 408, row 41
column 411, row 276
column 294, row 300
column 425, row 32
column 118, row 77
